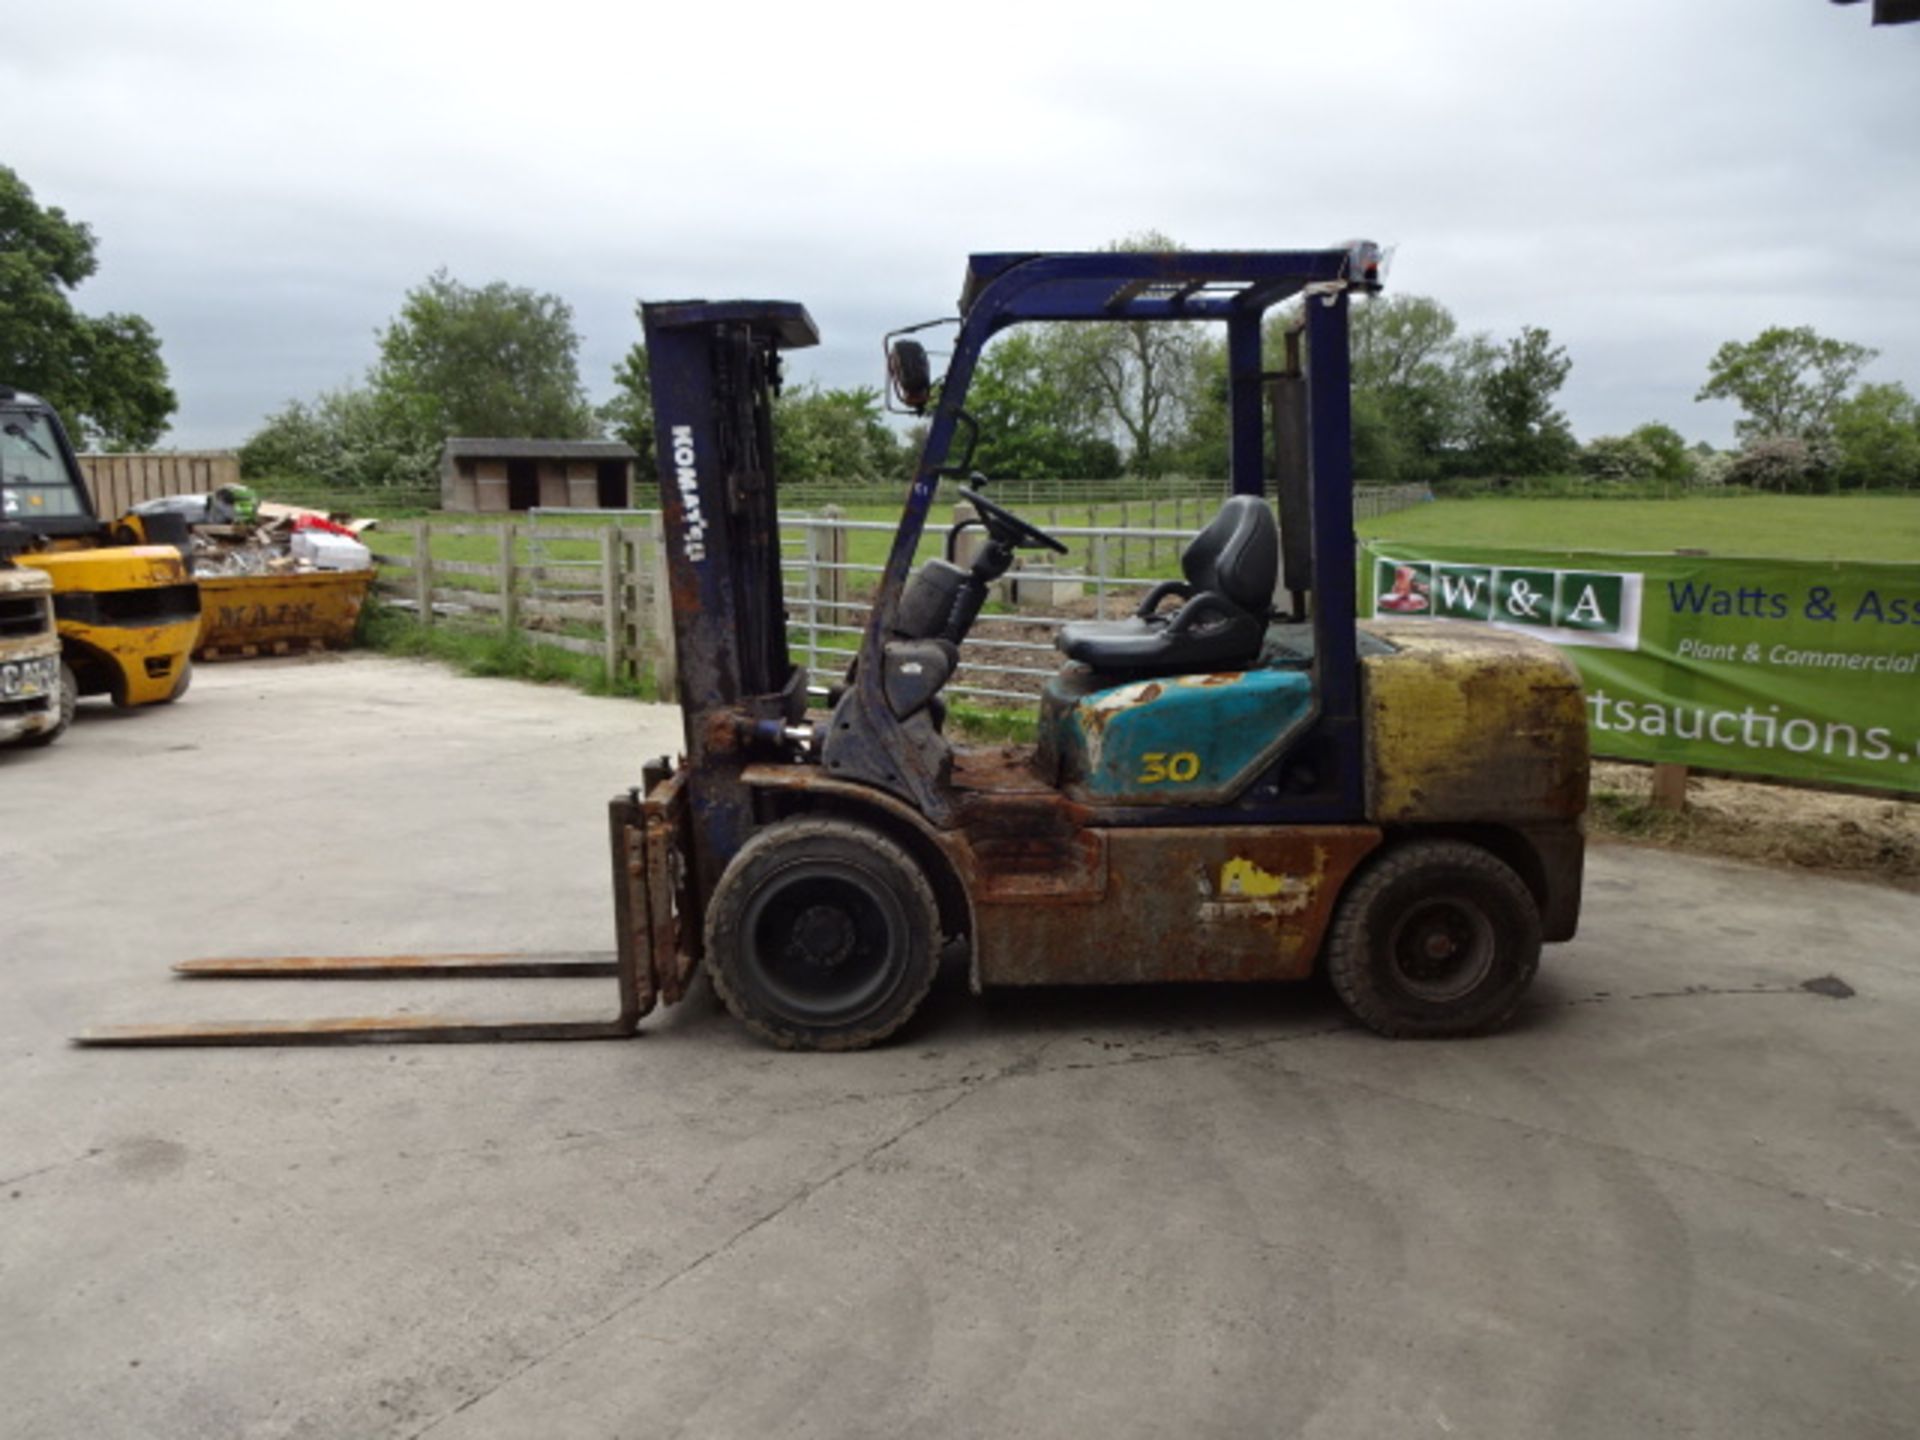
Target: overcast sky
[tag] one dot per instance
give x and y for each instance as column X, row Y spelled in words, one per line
column 1645, row 178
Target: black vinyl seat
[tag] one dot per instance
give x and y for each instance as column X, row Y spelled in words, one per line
column 1231, row 567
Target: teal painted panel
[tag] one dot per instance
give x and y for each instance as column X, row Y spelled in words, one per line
column 1153, row 741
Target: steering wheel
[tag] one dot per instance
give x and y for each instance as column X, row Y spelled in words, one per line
column 1009, row 528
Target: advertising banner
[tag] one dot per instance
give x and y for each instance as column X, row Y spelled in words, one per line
column 1805, row 670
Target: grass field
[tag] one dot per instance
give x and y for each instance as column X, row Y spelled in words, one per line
column 1804, row 527
column 1814, row 527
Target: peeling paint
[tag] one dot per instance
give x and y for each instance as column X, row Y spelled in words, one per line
column 1240, row 876
column 1248, row 890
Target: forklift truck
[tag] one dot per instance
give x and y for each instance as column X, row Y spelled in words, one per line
column 125, row 600
column 1236, row 783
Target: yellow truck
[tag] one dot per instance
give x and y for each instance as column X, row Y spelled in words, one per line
column 128, row 615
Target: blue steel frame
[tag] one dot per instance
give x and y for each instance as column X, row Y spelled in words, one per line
column 1237, row 288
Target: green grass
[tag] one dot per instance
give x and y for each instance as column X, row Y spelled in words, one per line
column 1795, row 527
column 992, row 723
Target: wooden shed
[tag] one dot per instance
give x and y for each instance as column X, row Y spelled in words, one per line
column 498, row 475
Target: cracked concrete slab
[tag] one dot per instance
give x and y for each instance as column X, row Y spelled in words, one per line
column 1678, row 1196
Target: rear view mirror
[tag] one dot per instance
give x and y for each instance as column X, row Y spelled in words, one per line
column 910, row 374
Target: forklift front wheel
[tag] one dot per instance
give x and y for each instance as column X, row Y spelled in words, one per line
column 1436, row 938
column 822, row 935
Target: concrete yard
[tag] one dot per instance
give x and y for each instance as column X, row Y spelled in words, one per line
column 1681, row 1196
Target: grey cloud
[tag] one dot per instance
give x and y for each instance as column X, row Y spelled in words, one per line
column 1645, row 179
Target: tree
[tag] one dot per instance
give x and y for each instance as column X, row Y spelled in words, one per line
column 1788, row 381
column 1399, row 341
column 1416, row 384
column 344, row 441
column 1518, row 431
column 1652, row 452
column 1415, row 378
column 1877, row 433
column 1139, row 372
column 1034, row 422
column 823, row 434
column 499, row 361
column 1618, row 457
column 104, row 375
column 1673, row 462
column 1783, row 463
column 629, row 415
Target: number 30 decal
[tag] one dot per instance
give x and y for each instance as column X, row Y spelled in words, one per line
column 1179, row 767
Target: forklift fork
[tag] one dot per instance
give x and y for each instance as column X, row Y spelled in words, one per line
column 652, row 965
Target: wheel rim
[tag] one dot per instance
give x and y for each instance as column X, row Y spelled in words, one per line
column 824, row 941
column 1442, row 949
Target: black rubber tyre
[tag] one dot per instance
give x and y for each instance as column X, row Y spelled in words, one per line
column 180, row 685
column 69, row 697
column 822, row 935
column 1435, row 938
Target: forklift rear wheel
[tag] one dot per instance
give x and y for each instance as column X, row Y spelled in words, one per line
column 822, row 935
column 1436, row 938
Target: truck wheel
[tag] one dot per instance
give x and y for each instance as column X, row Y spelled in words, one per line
column 822, row 935
column 69, row 697
column 180, row 685
column 1436, row 938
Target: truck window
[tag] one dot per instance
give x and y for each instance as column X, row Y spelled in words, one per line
column 34, row 481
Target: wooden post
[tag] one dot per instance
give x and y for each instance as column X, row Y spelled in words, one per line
column 666, row 675
column 1669, row 786
column 612, row 612
column 813, row 584
column 509, row 582
column 834, row 581
column 423, row 571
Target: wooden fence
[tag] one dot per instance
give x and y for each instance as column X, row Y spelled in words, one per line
column 589, row 589
column 591, row 583
column 120, row 482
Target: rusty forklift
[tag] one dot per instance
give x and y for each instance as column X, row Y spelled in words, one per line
column 1236, row 783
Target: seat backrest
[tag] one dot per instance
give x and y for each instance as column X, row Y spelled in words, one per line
column 1238, row 555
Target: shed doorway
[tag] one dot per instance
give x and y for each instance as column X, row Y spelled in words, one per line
column 612, row 485
column 523, row 484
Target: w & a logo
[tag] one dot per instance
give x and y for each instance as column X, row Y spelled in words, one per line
column 1568, row 607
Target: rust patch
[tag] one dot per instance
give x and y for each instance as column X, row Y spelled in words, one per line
column 1030, row 844
column 996, row 769
column 721, row 732
column 1180, row 903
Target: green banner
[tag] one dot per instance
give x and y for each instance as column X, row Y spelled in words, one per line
column 1799, row 669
